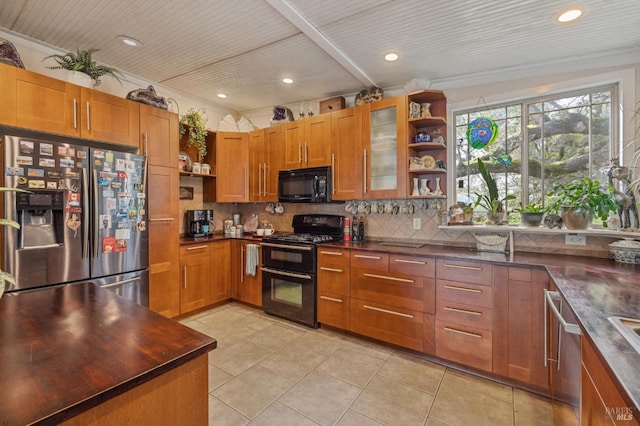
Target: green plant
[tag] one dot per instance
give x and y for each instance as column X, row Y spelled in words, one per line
column 82, row 61
column 584, row 196
column 530, row 208
column 192, row 124
column 491, row 201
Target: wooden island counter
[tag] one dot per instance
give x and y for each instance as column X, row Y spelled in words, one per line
column 79, row 354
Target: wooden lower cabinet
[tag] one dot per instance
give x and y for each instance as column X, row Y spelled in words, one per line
column 519, row 325
column 334, row 283
column 399, row 326
column 333, row 310
column 601, row 401
column 220, row 271
column 247, row 288
column 195, row 280
column 465, row 345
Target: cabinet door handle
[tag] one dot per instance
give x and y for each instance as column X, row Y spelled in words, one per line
column 88, row 117
column 162, row 219
column 331, row 299
column 413, row 262
column 462, row 311
column 306, row 152
column 259, row 180
column 242, row 264
column 364, row 171
column 264, row 180
column 333, row 173
column 466, row 333
column 146, row 143
column 471, row 268
column 386, row 311
column 196, row 248
column 299, row 153
column 75, row 113
column 331, row 253
column 363, row 256
column 470, row 290
column 324, row 268
column 384, row 277
column 184, row 276
column 246, row 189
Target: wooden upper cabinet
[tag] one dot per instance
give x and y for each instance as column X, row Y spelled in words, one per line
column 307, row 142
column 8, row 83
column 274, row 140
column 346, row 154
column 47, row 104
column 109, row 118
column 257, row 165
column 232, row 167
column 159, row 136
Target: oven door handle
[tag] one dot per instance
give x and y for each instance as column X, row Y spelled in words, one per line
column 288, row 274
column 286, row 246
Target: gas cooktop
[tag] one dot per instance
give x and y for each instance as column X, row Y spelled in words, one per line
column 301, row 238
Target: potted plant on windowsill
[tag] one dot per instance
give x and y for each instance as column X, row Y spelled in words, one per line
column 531, row 214
column 491, row 201
column 580, row 201
column 193, row 125
column 83, row 70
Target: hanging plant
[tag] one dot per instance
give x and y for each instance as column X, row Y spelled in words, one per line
column 192, row 125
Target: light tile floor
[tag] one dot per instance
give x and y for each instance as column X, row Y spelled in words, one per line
column 268, row 371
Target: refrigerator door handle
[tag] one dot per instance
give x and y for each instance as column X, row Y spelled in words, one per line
column 86, row 211
column 94, row 230
column 120, row 283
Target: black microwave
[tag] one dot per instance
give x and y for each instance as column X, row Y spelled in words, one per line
column 311, row 185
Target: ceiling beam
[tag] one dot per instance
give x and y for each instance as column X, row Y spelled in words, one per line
column 301, row 22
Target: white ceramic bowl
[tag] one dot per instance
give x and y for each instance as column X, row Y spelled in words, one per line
column 625, row 251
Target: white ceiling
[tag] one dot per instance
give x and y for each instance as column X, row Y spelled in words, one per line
column 329, row 47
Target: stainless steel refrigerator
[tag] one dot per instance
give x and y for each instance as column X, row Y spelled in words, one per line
column 82, row 219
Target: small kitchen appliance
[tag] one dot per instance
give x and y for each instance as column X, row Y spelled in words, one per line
column 198, row 223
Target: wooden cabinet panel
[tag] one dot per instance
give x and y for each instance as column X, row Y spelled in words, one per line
column 347, row 154
column 399, row 326
column 403, row 291
column 334, row 279
column 246, row 288
column 164, row 268
column 317, row 143
column 370, row 260
column 465, row 345
column 220, row 271
column 274, row 139
column 160, row 136
column 8, row 88
column 105, row 117
column 195, row 282
column 468, row 272
column 429, row 342
column 333, row 256
column 257, row 165
column 519, row 325
column 47, row 104
column 294, row 143
column 232, row 167
column 471, row 294
column 464, row 315
column 412, row 265
column 333, row 309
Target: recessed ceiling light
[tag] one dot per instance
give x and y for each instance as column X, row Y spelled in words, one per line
column 287, row 80
column 569, row 15
column 129, row 41
column 391, row 56
column 222, row 96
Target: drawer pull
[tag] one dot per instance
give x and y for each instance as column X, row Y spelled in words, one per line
column 162, row 219
column 471, row 268
column 324, row 268
column 414, row 262
column 466, row 333
column 331, row 253
column 362, row 256
column 196, row 248
column 462, row 311
column 400, row 314
column 470, row 290
column 331, row 299
column 384, row 277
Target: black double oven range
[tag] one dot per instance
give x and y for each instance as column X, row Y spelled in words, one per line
column 289, row 284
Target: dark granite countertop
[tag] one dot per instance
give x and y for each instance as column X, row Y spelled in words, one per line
column 67, row 349
column 185, row 241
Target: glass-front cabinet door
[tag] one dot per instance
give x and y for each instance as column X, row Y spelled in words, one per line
column 385, row 159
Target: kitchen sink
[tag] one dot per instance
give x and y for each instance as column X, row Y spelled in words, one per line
column 630, row 330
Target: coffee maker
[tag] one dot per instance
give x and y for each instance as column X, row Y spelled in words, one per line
column 199, row 223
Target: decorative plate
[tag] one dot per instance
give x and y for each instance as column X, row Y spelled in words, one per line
column 428, row 162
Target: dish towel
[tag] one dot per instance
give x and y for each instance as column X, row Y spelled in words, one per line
column 252, row 260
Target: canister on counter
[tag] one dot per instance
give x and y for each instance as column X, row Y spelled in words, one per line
column 239, row 230
column 346, row 229
column 228, row 223
column 236, row 218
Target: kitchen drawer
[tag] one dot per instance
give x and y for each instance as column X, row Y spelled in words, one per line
column 402, row 291
column 194, row 250
column 520, row 274
column 333, row 310
column 370, row 260
column 465, row 315
column 467, row 272
column 391, row 324
column 429, row 329
column 334, row 279
column 465, row 345
column 471, row 294
column 333, row 256
column 412, row 265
